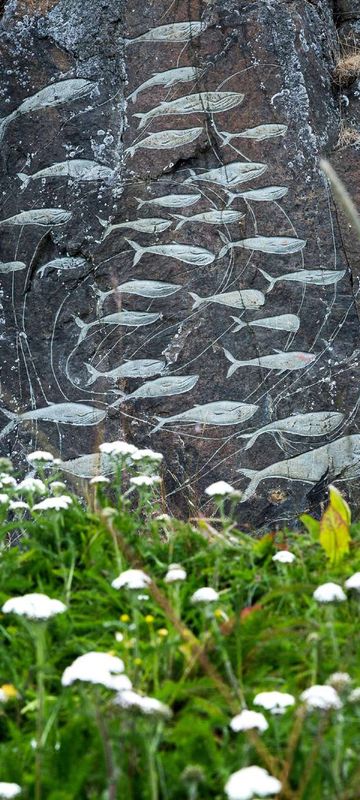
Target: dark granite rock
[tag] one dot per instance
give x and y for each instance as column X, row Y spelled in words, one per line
column 238, row 66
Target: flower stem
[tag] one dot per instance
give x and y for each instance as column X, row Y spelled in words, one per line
column 40, row 650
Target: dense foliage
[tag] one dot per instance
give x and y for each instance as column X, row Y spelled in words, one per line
column 205, row 660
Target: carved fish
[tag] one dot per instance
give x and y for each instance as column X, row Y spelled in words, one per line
column 243, row 298
column 65, row 263
column 284, row 322
column 60, row 413
column 168, row 78
column 221, row 412
column 312, row 277
column 166, row 140
column 259, row 134
column 142, row 368
column 6, row 267
column 187, row 253
column 171, row 201
column 143, row 288
column 266, row 194
column 211, row 218
column 229, row 175
column 79, row 169
column 51, row 96
column 176, row 32
column 160, row 387
column 147, row 225
column 341, row 459
column 89, row 465
column 39, row 216
column 279, row 361
column 130, row 318
column 315, row 423
column 275, row 245
column 202, row 102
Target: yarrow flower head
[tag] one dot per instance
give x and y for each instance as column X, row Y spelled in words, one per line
column 34, row 606
column 249, row 720
column 97, row 668
column 18, row 505
column 284, row 557
column 98, row 480
column 251, row 782
column 57, row 486
column 147, row 705
column 147, row 455
column 40, row 457
column 34, row 485
column 219, row 489
column 9, row 790
column 339, row 680
column 7, row 480
column 329, row 593
column 4, row 499
column 205, row 595
column 353, row 582
column 354, row 696
column 321, row 697
column 59, row 503
column 175, row 573
column 275, row 702
column 145, row 480
column 117, row 448
column 132, row 579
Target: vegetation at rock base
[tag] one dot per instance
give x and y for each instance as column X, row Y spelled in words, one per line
column 240, row 652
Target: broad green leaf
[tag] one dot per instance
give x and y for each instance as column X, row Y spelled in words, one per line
column 312, row 525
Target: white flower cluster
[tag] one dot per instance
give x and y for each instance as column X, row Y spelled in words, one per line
column 147, row 705
column 97, row 668
column 131, row 579
column 251, row 782
column 34, row 606
column 9, row 790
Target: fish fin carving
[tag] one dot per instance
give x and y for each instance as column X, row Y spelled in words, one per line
column 11, row 425
column 248, row 473
column 140, row 202
column 161, row 422
column 138, row 250
column 24, row 179
column 227, row 245
column 182, row 220
column 131, row 151
column 142, row 118
column 269, row 278
column 239, row 324
column 234, row 363
column 251, row 437
column 83, row 328
column 94, row 374
column 197, row 298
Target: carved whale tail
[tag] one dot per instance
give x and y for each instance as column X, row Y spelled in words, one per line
column 139, row 251
column 84, row 327
column 131, row 151
column 24, row 180
column 143, row 119
column 269, row 278
column 182, row 220
column 234, row 363
column 226, row 243
column 251, row 437
column 255, row 477
column 140, row 202
column 161, row 423
column 3, row 125
column 198, row 300
column 239, row 324
column 11, row 425
column 94, row 374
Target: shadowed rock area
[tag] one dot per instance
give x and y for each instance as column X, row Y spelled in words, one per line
column 173, row 267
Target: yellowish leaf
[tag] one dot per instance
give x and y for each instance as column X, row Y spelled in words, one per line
column 335, row 527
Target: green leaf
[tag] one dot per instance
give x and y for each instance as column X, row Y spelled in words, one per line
column 312, row 526
column 335, row 527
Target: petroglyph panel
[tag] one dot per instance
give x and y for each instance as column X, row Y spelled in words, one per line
column 165, row 180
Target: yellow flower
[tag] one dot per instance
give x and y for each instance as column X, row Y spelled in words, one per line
column 163, row 632
column 149, row 619
column 125, row 618
column 8, row 692
column 219, row 614
column 137, row 661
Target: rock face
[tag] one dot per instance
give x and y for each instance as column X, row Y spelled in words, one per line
column 172, row 265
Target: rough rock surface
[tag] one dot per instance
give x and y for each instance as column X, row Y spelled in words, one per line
column 57, row 331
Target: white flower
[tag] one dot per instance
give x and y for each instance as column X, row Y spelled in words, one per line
column 131, row 579
column 62, row 501
column 353, row 582
column 7, row 480
column 148, row 705
column 8, row 790
column 55, row 485
column 248, row 720
column 40, row 456
column 322, row 697
column 119, row 637
column 97, row 668
column 205, row 595
column 219, row 489
column 145, row 480
column 147, row 454
column 251, row 782
column 175, row 573
column 284, row 557
column 17, row 505
column 117, row 448
column 275, row 702
column 354, row 696
column 329, row 593
column 32, row 485
column 98, row 480
column 163, row 518
column 34, row 606
column 339, row 680
column 4, row 499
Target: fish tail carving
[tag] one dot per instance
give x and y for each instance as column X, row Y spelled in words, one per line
column 161, row 422
column 239, row 324
column 84, row 327
column 4, row 121
column 139, row 251
column 94, row 374
column 231, row 197
column 131, row 151
column 140, row 202
column 23, row 178
column 255, row 477
column 142, row 118
column 234, row 363
column 226, row 243
column 182, row 221
column 198, row 300
column 269, row 278
column 11, row 425
column 251, row 437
